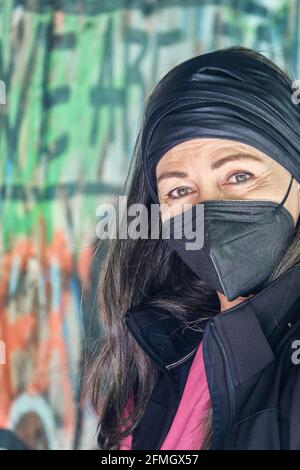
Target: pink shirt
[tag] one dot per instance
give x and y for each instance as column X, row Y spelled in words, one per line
column 186, row 431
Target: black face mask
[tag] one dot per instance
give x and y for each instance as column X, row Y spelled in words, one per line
column 243, row 241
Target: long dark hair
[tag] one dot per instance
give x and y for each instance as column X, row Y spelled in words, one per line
column 146, row 271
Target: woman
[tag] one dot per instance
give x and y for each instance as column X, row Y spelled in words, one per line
column 199, row 350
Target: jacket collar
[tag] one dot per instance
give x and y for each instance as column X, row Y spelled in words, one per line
column 165, row 338
column 169, row 342
column 273, row 304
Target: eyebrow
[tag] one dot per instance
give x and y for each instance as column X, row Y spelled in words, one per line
column 214, row 166
column 237, row 156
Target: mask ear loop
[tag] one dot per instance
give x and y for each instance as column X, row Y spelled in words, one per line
column 267, row 217
column 286, row 195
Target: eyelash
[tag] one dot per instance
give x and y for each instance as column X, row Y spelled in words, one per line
column 241, row 173
column 233, row 184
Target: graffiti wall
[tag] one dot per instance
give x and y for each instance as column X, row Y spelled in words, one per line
column 75, row 75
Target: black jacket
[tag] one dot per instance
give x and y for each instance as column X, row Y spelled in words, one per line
column 249, row 356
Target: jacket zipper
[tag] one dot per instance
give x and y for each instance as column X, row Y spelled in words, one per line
column 182, row 360
column 166, row 370
column 164, row 430
column 230, row 386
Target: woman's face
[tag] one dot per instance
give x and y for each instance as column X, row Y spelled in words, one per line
column 204, row 168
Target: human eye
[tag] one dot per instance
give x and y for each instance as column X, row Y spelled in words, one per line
column 179, row 192
column 240, row 177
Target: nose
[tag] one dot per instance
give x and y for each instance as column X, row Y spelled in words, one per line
column 208, row 190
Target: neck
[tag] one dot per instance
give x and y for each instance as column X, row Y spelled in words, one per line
column 226, row 304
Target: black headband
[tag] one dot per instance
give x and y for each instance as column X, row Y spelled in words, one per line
column 222, row 95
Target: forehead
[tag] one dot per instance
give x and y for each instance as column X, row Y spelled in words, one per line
column 211, row 147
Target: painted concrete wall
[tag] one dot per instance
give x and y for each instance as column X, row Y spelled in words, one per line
column 75, row 75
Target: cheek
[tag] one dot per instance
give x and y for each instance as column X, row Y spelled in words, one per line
column 166, row 211
column 293, row 206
